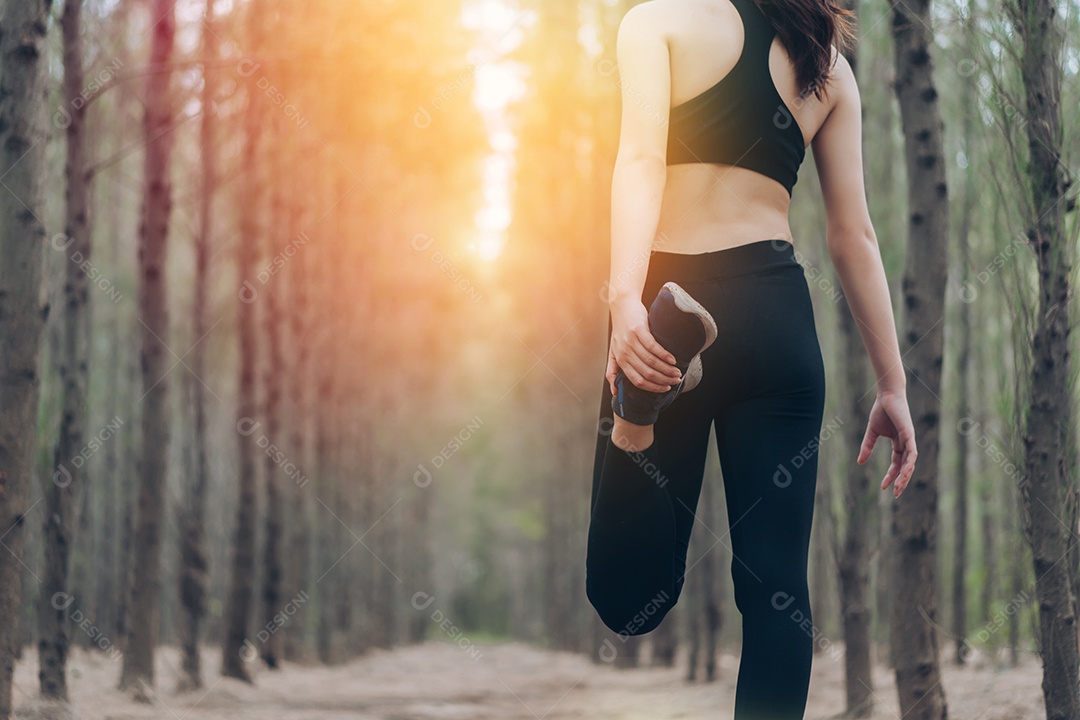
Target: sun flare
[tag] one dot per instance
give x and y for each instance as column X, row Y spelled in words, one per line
column 499, row 83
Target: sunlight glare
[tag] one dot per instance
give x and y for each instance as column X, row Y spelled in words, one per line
column 497, row 86
column 504, row 141
column 487, row 247
column 493, row 16
column 499, row 83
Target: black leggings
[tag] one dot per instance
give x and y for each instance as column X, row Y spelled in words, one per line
column 763, row 388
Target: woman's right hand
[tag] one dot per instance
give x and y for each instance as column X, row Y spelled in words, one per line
column 891, row 418
column 634, row 349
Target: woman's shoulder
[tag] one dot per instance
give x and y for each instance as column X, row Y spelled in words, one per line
column 841, row 81
column 681, row 21
column 667, row 15
column 651, row 14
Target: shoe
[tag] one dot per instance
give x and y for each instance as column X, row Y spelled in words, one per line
column 685, row 329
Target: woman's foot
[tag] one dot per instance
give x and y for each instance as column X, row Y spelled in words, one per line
column 685, row 329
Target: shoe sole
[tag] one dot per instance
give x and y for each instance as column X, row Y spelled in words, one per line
column 693, row 374
column 687, row 304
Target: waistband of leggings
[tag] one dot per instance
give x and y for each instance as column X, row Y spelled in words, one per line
column 729, row 262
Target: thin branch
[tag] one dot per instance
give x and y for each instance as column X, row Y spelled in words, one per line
column 121, row 154
column 227, row 63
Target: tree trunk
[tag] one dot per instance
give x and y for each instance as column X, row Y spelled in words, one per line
column 882, row 589
column 348, row 507
column 127, row 486
column 124, row 372
column 72, row 370
column 337, row 455
column 959, row 619
column 990, row 556
column 194, row 561
column 138, row 670
column 860, row 506
column 665, row 641
column 421, row 556
column 237, row 650
column 629, row 651
column 272, row 379
column 23, row 136
column 329, row 545
column 298, row 576
column 860, row 501
column 1049, row 440
column 327, row 532
column 914, row 516
column 963, row 376
column 1018, row 582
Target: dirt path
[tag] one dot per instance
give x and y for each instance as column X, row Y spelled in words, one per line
column 508, row 681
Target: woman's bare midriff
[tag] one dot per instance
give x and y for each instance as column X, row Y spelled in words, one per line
column 709, row 206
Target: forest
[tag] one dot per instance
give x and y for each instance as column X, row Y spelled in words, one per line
column 302, row 339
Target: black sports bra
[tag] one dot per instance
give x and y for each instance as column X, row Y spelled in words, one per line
column 742, row 120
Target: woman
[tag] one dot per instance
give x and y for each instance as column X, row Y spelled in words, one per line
column 700, row 231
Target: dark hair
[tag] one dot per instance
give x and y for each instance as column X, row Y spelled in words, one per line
column 808, row 28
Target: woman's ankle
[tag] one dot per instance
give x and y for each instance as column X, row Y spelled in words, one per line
column 629, row 437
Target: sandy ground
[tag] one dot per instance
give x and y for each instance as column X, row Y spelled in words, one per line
column 506, row 681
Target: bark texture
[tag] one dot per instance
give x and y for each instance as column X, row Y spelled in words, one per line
column 272, row 380
column 56, row 597
column 915, row 513
column 238, row 650
column 155, row 354
column 194, row 558
column 860, row 506
column 1048, row 490
column 23, row 83
column 297, row 570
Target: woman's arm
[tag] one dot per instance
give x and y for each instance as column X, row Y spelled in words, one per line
column 850, row 235
column 853, row 249
column 637, row 187
column 637, row 191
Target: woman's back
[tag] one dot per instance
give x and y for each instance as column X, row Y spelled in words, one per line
column 707, row 204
